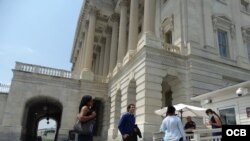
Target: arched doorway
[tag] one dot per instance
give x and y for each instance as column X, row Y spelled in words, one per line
column 36, row 109
column 46, row 129
column 98, row 108
column 170, row 90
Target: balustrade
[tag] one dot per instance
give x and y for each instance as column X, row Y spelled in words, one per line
column 42, row 70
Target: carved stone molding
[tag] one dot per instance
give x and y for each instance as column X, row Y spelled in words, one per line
column 87, row 24
column 245, row 33
column 222, row 22
column 124, row 3
column 168, row 24
column 94, row 11
column 115, row 17
column 108, row 30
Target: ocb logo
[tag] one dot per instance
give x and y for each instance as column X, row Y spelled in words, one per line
column 236, row 132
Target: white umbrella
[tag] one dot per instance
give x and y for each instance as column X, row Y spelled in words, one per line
column 184, row 110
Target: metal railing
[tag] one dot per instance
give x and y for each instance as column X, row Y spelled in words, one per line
column 42, row 70
column 198, row 135
column 4, row 88
column 206, row 135
column 160, row 135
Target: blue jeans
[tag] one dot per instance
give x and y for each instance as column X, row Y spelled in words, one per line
column 85, row 138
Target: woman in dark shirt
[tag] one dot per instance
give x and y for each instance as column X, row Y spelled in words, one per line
column 86, row 114
column 214, row 121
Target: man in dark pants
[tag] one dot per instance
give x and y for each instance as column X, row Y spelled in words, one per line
column 127, row 125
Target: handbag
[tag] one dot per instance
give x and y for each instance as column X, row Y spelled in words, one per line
column 85, row 128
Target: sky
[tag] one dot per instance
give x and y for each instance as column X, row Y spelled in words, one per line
column 39, row 32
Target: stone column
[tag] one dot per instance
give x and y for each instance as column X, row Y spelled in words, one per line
column 83, row 46
column 107, row 52
column 101, row 62
column 241, row 56
column 94, row 63
column 97, row 63
column 122, row 32
column 148, row 37
column 113, row 50
column 149, row 16
column 133, row 29
column 87, row 73
column 208, row 35
column 78, row 71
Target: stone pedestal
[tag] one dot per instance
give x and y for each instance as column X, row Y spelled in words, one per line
column 87, row 75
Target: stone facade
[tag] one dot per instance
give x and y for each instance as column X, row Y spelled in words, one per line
column 33, row 86
column 152, row 53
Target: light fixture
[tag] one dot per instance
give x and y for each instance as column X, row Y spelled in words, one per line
column 241, row 91
column 207, row 101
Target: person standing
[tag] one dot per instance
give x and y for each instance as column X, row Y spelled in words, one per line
column 86, row 114
column 214, row 121
column 127, row 125
column 190, row 125
column 172, row 126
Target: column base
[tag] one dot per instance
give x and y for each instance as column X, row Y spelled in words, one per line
column 87, row 75
column 150, row 40
column 130, row 54
column 109, row 76
column 117, row 68
column 112, row 134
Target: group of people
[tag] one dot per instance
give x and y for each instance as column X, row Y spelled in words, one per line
column 171, row 125
column 174, row 131
column 127, row 126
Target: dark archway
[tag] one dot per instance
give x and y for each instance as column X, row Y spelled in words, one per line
column 169, row 87
column 38, row 108
column 98, row 108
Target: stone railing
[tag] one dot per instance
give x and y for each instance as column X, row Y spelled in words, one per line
column 4, row 88
column 42, row 70
column 171, row 48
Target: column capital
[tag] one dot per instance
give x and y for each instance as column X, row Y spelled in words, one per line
column 124, row 3
column 94, row 11
column 115, row 17
column 87, row 24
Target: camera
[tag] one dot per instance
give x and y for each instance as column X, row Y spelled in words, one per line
column 241, row 91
